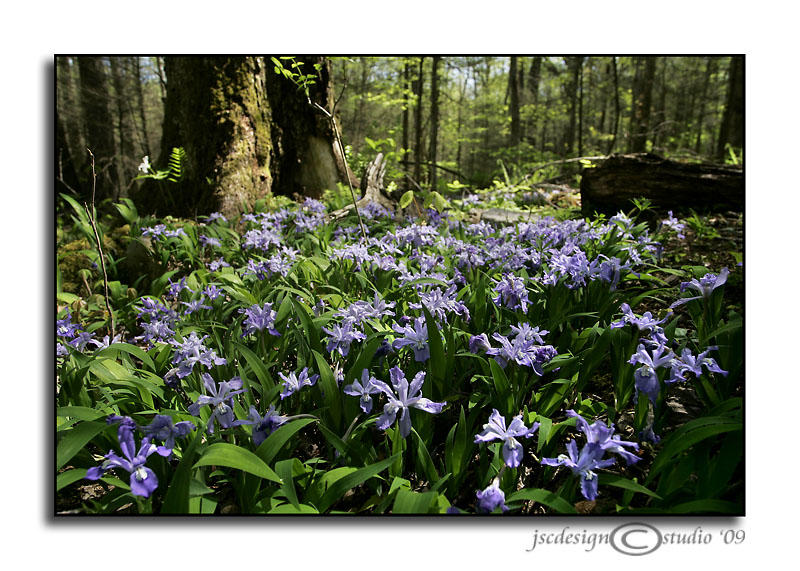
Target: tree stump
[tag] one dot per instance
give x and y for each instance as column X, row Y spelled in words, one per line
column 669, row 185
column 372, row 184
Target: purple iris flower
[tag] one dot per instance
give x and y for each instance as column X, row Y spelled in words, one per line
column 491, row 498
column 406, row 396
column 259, row 318
column 216, row 265
column 364, row 389
column 440, row 304
column 293, row 383
column 82, row 338
column 341, row 336
column 496, row 429
column 521, row 351
column 162, row 428
column 688, row 363
column 194, row 305
column 645, row 377
column 143, row 480
column 417, row 338
column 583, row 465
column 511, row 293
column 221, row 400
column 603, row 435
column 529, row 333
column 207, row 241
column 263, row 426
column 479, row 343
column 213, row 292
column 704, row 286
column 65, row 327
column 190, row 351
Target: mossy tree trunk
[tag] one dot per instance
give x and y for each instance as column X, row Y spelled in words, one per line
column 246, row 132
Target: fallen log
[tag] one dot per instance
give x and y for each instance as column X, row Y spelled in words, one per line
column 669, row 185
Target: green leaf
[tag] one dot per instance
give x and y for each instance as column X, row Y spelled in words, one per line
column 256, row 365
column 70, row 476
column 436, row 364
column 268, row 449
column 708, row 506
column 111, row 351
column 406, row 199
column 544, row 497
column 331, row 394
column 341, row 486
column 75, row 439
column 605, row 479
column 290, row 509
column 408, row 502
column 232, row 456
column 505, row 398
column 688, row 435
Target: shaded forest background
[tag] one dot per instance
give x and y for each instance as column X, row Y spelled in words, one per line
column 442, row 122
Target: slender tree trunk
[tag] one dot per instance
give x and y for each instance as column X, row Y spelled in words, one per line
column 641, row 103
column 573, row 66
column 69, row 112
column 121, row 101
column 731, row 129
column 580, row 108
column 701, row 115
column 142, row 114
column 513, row 107
column 534, row 78
column 616, row 106
column 98, row 124
column 418, row 86
column 406, row 89
column 434, row 122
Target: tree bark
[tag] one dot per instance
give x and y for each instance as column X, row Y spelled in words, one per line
column 670, row 185
column 99, row 136
column 640, row 107
column 573, row 66
column 418, row 85
column 140, row 100
column 701, row 115
column 731, row 129
column 513, row 106
column 434, row 121
column 616, row 106
column 125, row 169
column 246, row 133
column 406, row 89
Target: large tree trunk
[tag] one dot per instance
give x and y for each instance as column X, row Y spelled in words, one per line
column 670, row 185
column 246, row 132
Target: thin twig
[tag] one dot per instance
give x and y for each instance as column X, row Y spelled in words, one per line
column 344, row 159
column 93, row 223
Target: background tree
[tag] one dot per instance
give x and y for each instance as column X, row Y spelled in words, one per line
column 731, row 130
column 645, row 70
column 97, row 120
column 568, row 106
column 246, row 132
